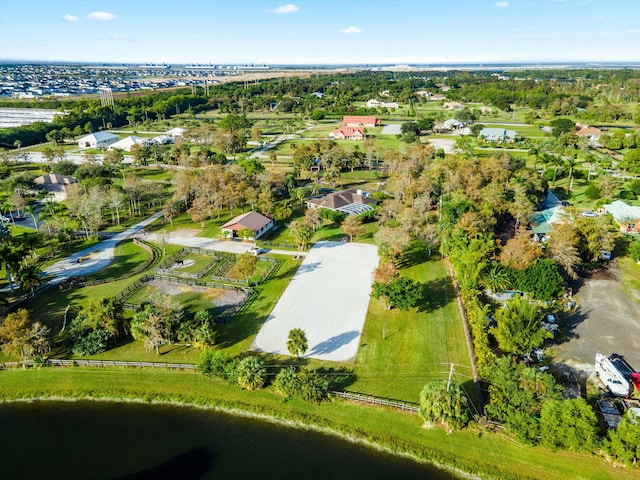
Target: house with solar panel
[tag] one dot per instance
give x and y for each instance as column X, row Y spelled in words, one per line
column 350, row 202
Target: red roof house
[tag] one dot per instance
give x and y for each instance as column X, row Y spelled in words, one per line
column 347, row 133
column 360, row 121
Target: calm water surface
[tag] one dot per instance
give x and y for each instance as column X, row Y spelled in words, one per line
column 91, row 440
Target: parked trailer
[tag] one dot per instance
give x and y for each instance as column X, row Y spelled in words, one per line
column 614, row 373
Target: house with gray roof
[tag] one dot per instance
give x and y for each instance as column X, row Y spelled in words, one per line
column 54, row 184
column 626, row 216
column 97, row 140
column 350, row 202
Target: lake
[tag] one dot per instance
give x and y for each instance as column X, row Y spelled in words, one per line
column 98, row 440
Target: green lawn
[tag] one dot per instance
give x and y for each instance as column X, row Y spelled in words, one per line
column 200, row 262
column 480, row 452
column 630, row 276
column 128, row 258
column 155, row 174
column 420, row 344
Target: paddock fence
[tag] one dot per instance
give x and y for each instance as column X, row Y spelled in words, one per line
column 373, row 400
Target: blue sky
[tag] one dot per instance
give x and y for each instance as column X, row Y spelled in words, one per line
column 320, row 31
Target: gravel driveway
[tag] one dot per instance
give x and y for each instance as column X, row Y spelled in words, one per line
column 607, row 321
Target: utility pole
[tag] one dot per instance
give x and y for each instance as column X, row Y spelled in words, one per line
column 450, row 375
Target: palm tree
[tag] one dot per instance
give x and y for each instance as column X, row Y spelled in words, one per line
column 297, row 343
column 30, row 241
column 445, row 404
column 495, row 278
column 31, row 211
column 30, row 277
column 11, row 261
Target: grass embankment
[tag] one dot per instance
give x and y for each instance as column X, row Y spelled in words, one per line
column 401, row 351
column 486, row 454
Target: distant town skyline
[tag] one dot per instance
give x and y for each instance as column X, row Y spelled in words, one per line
column 320, row 31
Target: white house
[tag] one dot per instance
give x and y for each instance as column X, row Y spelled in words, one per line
column 97, row 140
column 374, row 103
column 453, row 124
column 497, row 135
column 175, row 132
column 126, row 143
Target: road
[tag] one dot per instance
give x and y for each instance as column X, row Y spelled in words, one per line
column 230, row 246
column 93, row 258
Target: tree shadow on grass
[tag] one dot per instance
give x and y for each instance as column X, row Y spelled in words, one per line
column 415, row 254
column 339, row 378
column 436, row 294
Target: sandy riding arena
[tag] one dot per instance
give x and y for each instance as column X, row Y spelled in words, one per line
column 328, row 299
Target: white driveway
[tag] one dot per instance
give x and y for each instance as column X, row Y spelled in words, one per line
column 94, row 258
column 392, row 129
column 230, row 246
column 328, row 299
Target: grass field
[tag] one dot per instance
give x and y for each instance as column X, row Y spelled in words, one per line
column 630, row 276
column 401, row 351
column 479, row 452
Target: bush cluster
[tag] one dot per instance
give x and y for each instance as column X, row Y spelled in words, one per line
column 250, row 373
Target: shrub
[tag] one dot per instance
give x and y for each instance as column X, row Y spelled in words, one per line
column 368, row 216
column 286, row 382
column 332, row 215
column 251, row 374
column 592, row 192
column 89, row 342
column 214, row 364
column 311, row 386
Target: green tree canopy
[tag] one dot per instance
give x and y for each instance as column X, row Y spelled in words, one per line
column 401, row 292
column 516, row 396
column 444, row 406
column 569, row 424
column 251, row 373
column 562, row 125
column 518, row 329
column 297, row 343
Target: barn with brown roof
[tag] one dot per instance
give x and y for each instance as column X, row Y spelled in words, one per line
column 254, row 221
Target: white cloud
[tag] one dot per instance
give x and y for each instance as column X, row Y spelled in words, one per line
column 282, row 9
column 350, row 30
column 101, row 16
column 502, row 4
column 70, row 18
column 633, row 30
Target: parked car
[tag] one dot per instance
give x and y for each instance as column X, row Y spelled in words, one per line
column 589, row 214
column 4, row 219
column 606, row 256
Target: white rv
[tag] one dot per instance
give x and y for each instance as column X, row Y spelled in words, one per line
column 611, row 377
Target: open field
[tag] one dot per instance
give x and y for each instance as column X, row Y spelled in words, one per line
column 401, row 351
column 327, row 299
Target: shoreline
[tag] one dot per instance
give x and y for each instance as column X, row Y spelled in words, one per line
column 264, row 417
